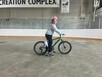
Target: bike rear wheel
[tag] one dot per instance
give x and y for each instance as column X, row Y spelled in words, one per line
column 64, row 47
column 40, row 48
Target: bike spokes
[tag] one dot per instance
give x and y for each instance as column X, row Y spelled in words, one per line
column 64, row 47
column 40, row 48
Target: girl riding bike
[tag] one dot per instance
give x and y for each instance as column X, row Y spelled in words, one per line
column 49, row 33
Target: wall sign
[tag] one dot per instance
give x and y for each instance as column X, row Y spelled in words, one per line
column 28, row 3
column 96, row 3
column 65, row 6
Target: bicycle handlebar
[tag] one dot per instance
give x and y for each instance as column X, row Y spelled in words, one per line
column 61, row 35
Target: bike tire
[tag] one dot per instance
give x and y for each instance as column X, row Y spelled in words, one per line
column 40, row 48
column 64, row 47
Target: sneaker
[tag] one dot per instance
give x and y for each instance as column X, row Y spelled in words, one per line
column 50, row 53
column 47, row 54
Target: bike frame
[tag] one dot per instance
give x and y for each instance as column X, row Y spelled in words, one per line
column 58, row 39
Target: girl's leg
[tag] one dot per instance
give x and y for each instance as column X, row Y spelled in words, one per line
column 49, row 40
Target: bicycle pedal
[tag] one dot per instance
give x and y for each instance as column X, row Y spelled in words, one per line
column 54, row 51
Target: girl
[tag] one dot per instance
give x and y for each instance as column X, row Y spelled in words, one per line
column 49, row 33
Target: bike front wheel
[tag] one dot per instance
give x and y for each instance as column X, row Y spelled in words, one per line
column 64, row 47
column 40, row 48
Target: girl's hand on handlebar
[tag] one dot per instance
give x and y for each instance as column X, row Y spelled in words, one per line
column 63, row 34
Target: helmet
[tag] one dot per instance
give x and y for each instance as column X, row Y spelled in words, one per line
column 54, row 18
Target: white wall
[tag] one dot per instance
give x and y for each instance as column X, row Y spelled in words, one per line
column 80, row 33
column 28, row 12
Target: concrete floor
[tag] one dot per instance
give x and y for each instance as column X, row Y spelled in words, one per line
column 18, row 60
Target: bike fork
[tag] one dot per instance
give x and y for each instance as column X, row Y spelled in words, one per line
column 63, row 43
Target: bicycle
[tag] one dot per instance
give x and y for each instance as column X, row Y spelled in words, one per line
column 64, row 47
